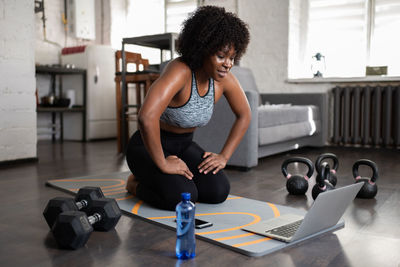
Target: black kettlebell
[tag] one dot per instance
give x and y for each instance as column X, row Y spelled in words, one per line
column 322, row 184
column 332, row 178
column 369, row 189
column 297, row 184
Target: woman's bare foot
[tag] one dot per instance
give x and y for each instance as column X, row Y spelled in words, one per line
column 132, row 184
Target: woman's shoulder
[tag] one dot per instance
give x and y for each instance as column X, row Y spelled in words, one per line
column 175, row 72
column 177, row 66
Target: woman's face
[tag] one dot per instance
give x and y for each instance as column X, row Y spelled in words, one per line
column 219, row 64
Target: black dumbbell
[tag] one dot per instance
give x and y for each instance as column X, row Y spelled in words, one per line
column 83, row 201
column 297, row 184
column 323, row 183
column 369, row 189
column 72, row 229
column 332, row 178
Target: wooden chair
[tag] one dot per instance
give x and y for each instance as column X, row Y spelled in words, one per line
column 142, row 78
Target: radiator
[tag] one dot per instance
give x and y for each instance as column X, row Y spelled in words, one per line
column 366, row 115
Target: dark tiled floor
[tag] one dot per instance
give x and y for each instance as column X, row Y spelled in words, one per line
column 371, row 236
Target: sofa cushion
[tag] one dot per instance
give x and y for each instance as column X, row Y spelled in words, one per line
column 272, row 115
column 279, row 123
column 289, row 131
column 246, row 79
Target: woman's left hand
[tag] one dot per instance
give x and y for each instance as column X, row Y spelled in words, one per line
column 213, row 162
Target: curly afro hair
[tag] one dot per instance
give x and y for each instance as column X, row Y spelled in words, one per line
column 208, row 30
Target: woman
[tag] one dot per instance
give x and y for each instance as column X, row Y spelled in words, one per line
column 161, row 155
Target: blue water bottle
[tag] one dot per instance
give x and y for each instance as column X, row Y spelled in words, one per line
column 185, row 240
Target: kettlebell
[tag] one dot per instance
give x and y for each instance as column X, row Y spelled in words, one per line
column 332, row 178
column 322, row 184
column 297, row 184
column 369, row 189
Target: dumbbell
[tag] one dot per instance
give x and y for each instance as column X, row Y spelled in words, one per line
column 297, row 184
column 323, row 183
column 72, row 228
column 332, row 178
column 83, row 201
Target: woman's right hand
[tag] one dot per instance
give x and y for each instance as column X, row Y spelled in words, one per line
column 174, row 165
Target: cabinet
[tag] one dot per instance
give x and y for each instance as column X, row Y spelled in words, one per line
column 54, row 72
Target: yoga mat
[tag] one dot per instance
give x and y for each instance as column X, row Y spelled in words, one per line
column 228, row 218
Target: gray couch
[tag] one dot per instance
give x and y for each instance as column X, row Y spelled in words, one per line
column 290, row 121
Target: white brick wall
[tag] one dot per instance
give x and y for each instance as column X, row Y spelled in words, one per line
column 17, row 82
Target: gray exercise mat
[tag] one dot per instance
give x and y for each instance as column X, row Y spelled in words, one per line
column 228, row 218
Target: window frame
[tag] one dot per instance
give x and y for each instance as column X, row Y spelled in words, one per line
column 298, row 53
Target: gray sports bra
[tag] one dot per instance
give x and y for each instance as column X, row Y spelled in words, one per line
column 196, row 112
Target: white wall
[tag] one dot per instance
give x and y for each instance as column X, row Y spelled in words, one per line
column 118, row 22
column 229, row 5
column 17, row 82
column 48, row 48
column 22, row 44
column 49, row 43
column 138, row 24
column 270, row 45
column 268, row 51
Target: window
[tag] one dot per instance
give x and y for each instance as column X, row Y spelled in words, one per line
column 176, row 11
column 351, row 34
column 385, row 41
column 138, row 17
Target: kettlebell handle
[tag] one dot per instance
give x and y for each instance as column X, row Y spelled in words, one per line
column 306, row 161
column 323, row 174
column 327, row 156
column 369, row 163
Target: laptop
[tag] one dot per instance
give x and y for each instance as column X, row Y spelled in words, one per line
column 326, row 211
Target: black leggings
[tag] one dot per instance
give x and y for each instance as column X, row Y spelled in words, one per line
column 164, row 190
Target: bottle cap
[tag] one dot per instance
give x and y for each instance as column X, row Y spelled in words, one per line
column 185, row 196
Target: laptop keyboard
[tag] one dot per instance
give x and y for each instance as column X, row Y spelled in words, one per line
column 287, row 230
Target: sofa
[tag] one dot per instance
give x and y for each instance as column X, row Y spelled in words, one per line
column 280, row 122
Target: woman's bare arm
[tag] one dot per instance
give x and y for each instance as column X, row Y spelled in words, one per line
column 160, row 94
column 240, row 107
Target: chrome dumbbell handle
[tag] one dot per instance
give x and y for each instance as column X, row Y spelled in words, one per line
column 96, row 217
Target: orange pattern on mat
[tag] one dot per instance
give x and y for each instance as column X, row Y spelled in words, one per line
column 257, row 218
column 119, row 188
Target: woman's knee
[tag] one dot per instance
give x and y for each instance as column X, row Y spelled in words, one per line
column 172, row 195
column 222, row 189
column 216, row 190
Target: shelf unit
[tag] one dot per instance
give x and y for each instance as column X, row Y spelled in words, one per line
column 164, row 41
column 53, row 72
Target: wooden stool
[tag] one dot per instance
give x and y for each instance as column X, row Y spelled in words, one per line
column 141, row 76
